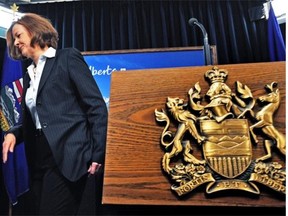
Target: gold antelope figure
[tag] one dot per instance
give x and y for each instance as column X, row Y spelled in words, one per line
column 265, row 121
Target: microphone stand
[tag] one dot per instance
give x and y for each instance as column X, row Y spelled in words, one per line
column 207, row 53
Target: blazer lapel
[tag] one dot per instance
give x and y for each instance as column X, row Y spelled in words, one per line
column 46, row 72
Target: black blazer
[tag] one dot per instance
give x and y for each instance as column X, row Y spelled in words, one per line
column 72, row 113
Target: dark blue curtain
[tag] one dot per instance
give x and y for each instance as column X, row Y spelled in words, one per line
column 139, row 24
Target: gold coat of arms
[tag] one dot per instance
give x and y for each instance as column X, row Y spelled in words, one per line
column 224, row 125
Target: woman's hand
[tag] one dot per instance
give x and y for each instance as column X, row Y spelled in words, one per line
column 8, row 146
column 94, row 167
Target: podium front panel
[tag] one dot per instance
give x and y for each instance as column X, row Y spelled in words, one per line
column 133, row 173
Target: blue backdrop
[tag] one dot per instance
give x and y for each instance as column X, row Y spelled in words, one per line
column 102, row 65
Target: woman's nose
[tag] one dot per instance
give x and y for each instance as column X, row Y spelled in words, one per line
column 16, row 42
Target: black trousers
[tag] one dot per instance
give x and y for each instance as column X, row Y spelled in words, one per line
column 51, row 193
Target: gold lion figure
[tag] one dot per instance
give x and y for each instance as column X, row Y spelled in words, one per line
column 186, row 122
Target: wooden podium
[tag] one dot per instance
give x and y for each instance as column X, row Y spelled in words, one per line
column 133, row 174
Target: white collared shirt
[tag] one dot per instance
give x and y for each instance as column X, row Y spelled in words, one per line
column 35, row 74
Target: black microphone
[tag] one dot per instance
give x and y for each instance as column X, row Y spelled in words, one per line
column 194, row 21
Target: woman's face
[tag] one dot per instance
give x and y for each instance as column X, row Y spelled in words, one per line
column 22, row 40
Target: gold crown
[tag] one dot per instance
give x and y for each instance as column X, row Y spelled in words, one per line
column 216, row 75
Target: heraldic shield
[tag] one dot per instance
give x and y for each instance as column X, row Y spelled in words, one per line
column 228, row 150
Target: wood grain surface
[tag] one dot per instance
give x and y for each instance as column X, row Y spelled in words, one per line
column 133, row 173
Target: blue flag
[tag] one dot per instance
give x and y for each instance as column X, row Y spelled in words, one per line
column 15, row 170
column 276, row 44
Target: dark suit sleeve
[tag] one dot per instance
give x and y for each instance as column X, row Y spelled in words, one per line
column 17, row 130
column 92, row 102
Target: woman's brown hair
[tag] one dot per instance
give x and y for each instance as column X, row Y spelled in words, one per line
column 40, row 29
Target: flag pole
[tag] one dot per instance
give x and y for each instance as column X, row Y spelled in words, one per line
column 10, row 209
